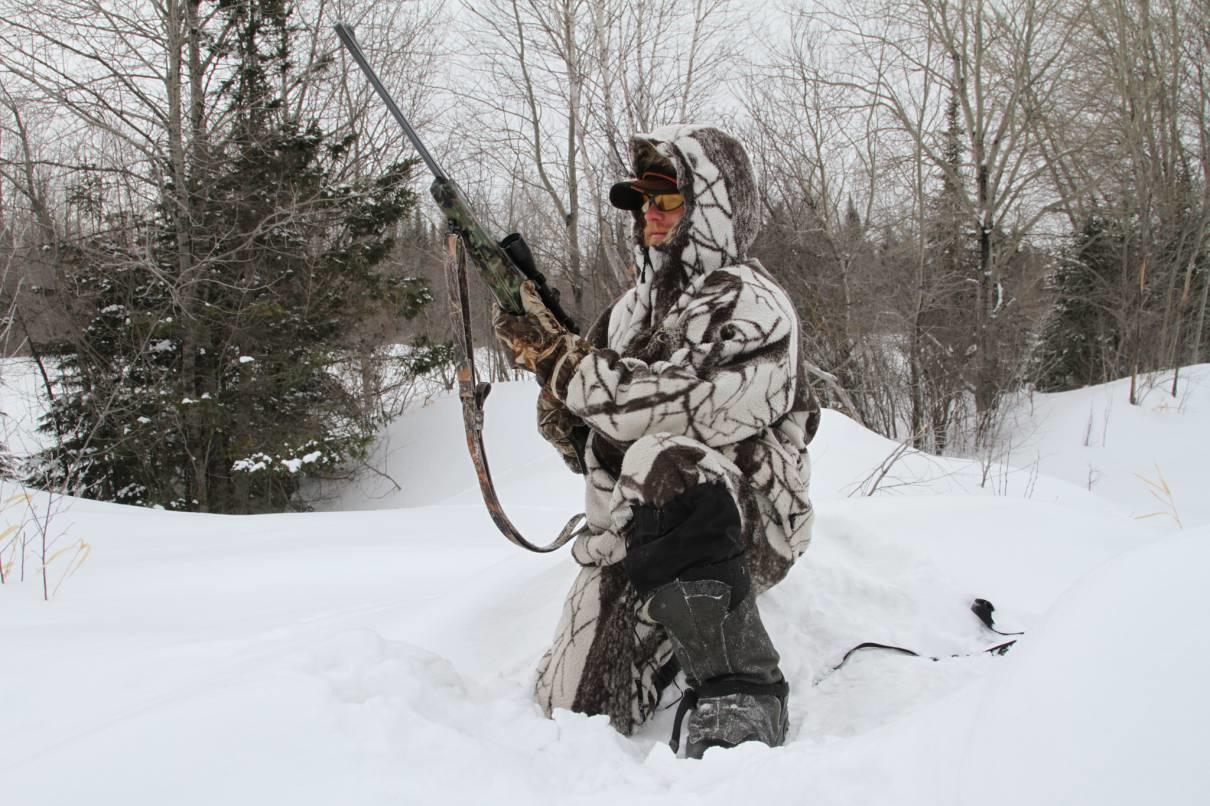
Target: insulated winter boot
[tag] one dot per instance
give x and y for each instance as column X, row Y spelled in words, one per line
column 686, row 559
column 738, row 693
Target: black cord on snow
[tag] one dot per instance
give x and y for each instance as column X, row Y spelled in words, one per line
column 982, row 609
column 998, row 649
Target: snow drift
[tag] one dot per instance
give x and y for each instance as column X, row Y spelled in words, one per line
column 382, row 651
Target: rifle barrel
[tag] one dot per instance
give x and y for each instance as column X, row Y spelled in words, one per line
column 350, row 42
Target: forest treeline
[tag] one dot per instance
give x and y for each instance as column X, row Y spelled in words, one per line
column 222, row 252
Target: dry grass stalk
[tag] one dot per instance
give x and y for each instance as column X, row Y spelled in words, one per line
column 1161, row 492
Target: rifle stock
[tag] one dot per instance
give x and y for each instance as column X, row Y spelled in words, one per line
column 504, row 265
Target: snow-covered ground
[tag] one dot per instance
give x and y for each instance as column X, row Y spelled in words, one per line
column 382, row 650
column 22, row 402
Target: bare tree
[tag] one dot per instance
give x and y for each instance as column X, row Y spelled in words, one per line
column 952, row 88
column 567, row 82
column 1125, row 142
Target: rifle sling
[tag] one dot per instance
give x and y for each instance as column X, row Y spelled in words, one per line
column 473, row 395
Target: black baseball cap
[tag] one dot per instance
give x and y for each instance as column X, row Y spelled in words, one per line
column 628, row 194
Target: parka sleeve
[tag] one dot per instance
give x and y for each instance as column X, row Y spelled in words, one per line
column 733, row 376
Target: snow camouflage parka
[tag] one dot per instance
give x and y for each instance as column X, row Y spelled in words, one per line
column 695, row 378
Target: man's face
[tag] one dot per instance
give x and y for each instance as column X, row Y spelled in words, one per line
column 658, row 223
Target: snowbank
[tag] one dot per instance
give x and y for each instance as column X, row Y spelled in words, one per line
column 1105, row 703
column 384, row 654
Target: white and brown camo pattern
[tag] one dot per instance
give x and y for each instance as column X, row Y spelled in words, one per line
column 696, row 378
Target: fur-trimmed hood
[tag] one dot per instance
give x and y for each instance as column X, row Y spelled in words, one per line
column 721, row 219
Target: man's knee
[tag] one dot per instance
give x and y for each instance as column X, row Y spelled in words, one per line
column 696, row 534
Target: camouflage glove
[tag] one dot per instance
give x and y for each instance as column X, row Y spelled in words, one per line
column 539, row 343
column 556, row 425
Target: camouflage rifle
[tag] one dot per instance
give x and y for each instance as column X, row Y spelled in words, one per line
column 504, row 265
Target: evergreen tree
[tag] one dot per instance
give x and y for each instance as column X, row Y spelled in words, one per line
column 1083, row 338
column 215, row 386
column 944, row 325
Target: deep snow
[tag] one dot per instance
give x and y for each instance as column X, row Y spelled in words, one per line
column 382, row 651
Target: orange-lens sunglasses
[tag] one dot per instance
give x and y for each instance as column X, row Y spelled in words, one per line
column 664, row 202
